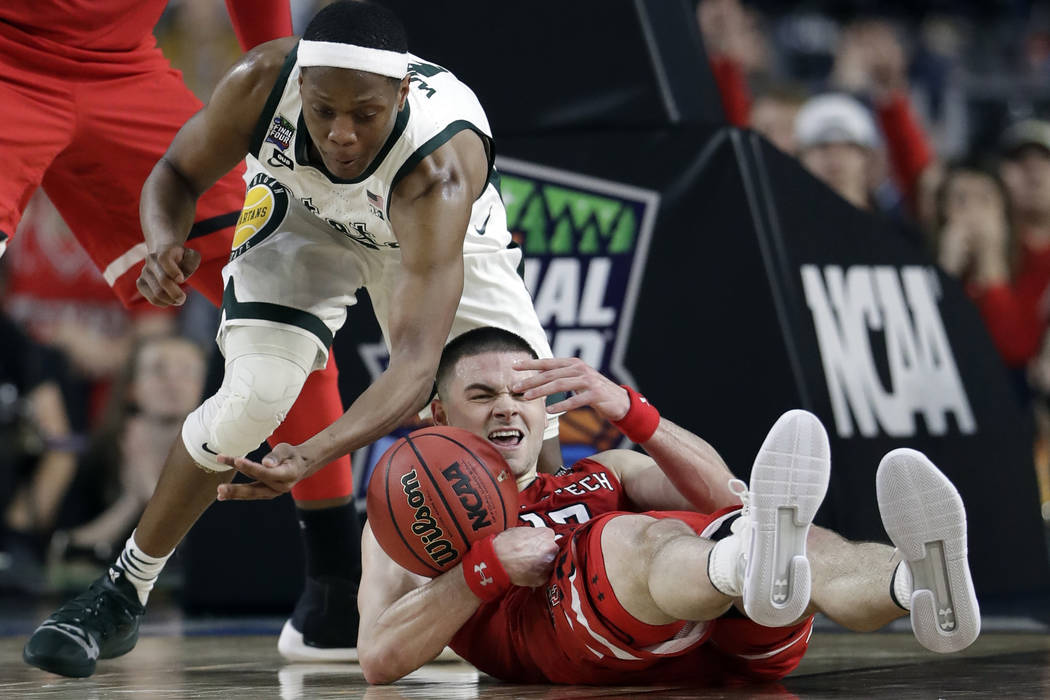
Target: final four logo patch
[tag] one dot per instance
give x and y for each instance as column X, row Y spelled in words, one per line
column 280, row 132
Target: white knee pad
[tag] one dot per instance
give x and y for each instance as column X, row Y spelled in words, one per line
column 265, row 371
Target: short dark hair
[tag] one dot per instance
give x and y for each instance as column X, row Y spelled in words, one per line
column 476, row 342
column 360, row 23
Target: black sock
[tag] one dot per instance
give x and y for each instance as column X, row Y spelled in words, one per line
column 332, row 542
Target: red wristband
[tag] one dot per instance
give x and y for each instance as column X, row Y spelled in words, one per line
column 641, row 420
column 483, row 571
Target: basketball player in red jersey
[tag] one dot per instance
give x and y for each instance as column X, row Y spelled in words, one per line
column 643, row 568
column 89, row 105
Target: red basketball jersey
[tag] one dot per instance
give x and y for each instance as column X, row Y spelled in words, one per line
column 513, row 638
column 574, row 495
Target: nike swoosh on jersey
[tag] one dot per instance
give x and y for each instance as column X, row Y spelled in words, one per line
column 484, row 224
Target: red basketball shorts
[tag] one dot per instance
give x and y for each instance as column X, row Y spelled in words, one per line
column 89, row 128
column 585, row 610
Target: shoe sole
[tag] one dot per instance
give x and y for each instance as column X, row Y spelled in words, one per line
column 292, row 647
column 924, row 516
column 788, row 482
column 58, row 668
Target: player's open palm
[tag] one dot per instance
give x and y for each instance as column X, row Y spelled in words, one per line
column 527, row 554
column 164, row 272
column 278, row 472
column 585, row 385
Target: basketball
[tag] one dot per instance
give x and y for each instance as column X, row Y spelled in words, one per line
column 434, row 492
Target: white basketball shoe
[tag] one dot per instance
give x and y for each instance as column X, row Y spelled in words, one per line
column 924, row 516
column 764, row 560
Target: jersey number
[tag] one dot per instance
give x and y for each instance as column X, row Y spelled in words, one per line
column 576, row 512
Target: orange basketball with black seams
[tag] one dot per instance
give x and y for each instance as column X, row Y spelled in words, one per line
column 434, row 492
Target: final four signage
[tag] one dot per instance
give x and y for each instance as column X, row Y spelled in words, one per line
column 869, row 317
column 585, row 244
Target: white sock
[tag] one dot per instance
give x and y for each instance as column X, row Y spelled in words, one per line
column 901, row 585
column 723, row 566
column 140, row 568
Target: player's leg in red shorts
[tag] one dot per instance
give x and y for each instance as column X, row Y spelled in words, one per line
column 127, row 125
column 38, row 120
column 709, row 652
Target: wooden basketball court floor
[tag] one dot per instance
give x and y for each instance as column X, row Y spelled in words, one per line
column 237, row 658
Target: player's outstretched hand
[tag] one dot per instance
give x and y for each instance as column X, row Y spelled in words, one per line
column 586, row 386
column 164, row 271
column 278, row 472
column 527, row 554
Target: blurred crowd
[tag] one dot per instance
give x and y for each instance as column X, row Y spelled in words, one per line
column 931, row 113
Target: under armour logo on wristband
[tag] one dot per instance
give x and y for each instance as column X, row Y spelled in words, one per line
column 480, row 570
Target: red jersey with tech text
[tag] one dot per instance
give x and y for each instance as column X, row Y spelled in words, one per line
column 574, row 495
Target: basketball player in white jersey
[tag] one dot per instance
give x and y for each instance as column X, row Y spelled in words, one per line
column 367, row 167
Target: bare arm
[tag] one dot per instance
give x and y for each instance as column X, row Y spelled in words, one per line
column 406, row 620
column 207, row 147
column 682, row 470
column 429, row 212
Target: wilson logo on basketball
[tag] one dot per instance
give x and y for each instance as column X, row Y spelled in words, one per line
column 468, row 496
column 424, row 526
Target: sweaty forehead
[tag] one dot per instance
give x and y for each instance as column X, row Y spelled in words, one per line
column 495, row 369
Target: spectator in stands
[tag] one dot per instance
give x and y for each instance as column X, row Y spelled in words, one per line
column 773, row 114
column 871, row 63
column 38, row 458
column 1005, row 259
column 837, row 140
column 736, row 48
column 162, row 383
column 983, row 241
column 60, row 299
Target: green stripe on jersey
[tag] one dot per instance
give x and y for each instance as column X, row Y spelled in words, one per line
column 435, row 142
column 265, row 311
column 272, row 101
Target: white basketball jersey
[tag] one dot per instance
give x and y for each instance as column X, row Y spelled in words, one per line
column 438, row 107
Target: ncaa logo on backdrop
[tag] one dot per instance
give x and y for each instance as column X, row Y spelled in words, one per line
column 265, row 204
column 886, row 356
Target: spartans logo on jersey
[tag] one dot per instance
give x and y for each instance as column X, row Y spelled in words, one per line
column 585, row 243
column 265, row 205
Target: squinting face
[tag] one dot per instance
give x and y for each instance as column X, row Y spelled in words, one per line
column 349, row 114
column 478, row 398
